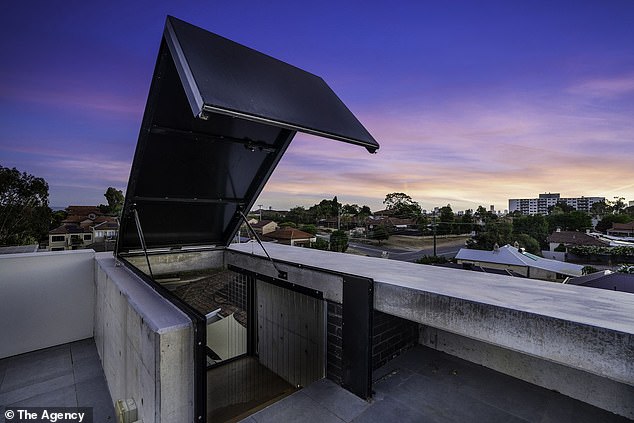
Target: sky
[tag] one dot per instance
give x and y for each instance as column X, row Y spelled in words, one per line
column 472, row 103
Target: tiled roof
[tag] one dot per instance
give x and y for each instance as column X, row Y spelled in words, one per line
column 575, row 238
column 261, row 223
column 69, row 229
column 106, row 225
column 289, row 233
column 624, row 226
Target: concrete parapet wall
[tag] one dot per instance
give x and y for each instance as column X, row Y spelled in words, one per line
column 47, row 299
column 145, row 344
column 602, row 351
column 592, row 389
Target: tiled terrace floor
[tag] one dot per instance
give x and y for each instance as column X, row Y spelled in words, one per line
column 68, row 375
column 425, row 385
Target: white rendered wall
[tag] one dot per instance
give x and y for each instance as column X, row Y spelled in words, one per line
column 46, row 299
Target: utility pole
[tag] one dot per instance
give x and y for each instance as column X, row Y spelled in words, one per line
column 434, row 226
column 260, row 206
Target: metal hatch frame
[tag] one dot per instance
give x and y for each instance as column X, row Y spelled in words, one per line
column 218, row 119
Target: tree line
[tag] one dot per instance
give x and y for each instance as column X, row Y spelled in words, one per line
column 25, row 215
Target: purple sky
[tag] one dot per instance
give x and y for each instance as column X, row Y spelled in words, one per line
column 472, row 102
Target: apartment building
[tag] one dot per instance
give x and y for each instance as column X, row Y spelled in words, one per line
column 541, row 204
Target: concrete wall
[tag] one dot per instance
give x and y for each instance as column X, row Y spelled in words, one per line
column 145, row 344
column 170, row 263
column 599, row 391
column 46, row 299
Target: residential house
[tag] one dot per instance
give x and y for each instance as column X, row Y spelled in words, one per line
column 573, row 238
column 292, row 236
column 518, row 261
column 622, row 229
column 83, row 226
column 264, row 227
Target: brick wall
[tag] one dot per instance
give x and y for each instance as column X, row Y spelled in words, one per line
column 334, row 370
column 391, row 336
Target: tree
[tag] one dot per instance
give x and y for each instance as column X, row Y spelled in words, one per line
column 574, row 221
column 298, row 215
column 494, row 232
column 310, row 229
column 535, row 226
column 115, row 200
column 380, row 233
column 402, row 205
column 467, row 221
column 527, row 242
column 447, row 218
column 338, row 241
column 24, row 213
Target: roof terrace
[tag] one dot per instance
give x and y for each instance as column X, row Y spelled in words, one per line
column 444, row 344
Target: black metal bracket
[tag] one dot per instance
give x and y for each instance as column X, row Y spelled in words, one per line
column 356, row 348
column 137, row 221
column 280, row 273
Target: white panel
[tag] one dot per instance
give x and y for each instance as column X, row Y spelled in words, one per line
column 47, row 299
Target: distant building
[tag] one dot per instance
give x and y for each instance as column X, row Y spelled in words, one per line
column 540, row 205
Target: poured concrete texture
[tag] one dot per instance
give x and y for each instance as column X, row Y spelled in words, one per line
column 145, row 344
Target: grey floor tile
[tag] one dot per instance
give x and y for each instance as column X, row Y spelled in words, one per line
column 25, row 392
column 562, row 409
column 337, row 400
column 85, row 348
column 87, row 367
column 298, row 407
column 389, row 410
column 94, row 393
column 24, row 371
column 62, row 397
column 445, row 402
column 392, row 379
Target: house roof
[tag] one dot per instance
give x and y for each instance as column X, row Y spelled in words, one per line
column 575, row 238
column 69, row 229
column 508, row 255
column 289, row 233
column 106, row 225
column 623, row 282
column 623, row 226
column 262, row 223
